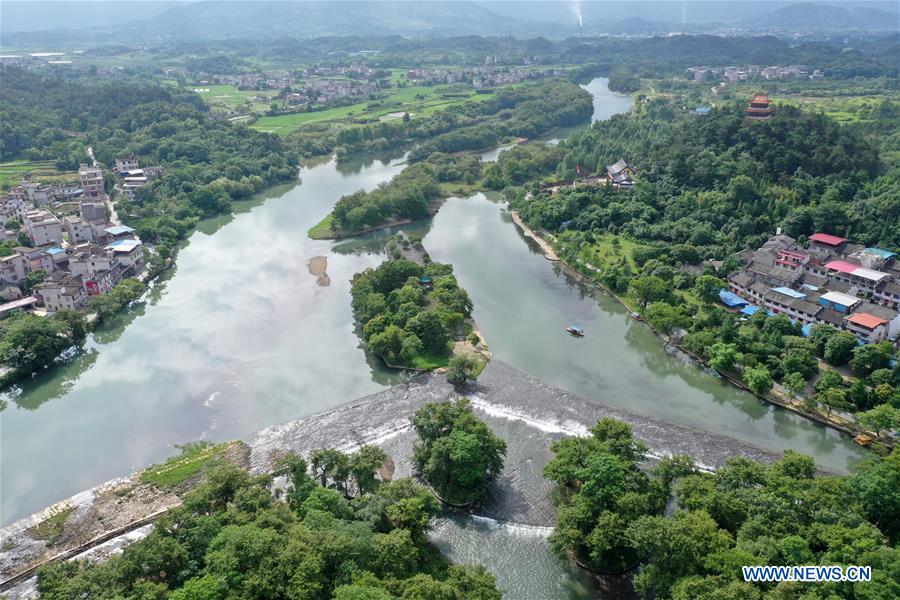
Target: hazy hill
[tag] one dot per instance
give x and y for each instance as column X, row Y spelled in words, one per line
column 83, row 22
column 826, row 17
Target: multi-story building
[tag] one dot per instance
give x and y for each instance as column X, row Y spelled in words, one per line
column 99, row 269
column 759, row 108
column 126, row 163
column 129, row 253
column 91, row 182
column 43, row 227
column 832, row 281
column 36, row 258
column 61, row 291
column 93, row 211
column 77, row 229
column 13, row 268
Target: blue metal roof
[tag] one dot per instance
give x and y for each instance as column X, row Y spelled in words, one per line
column 789, row 292
column 731, row 300
column 54, row 250
column 749, row 310
column 118, row 230
column 806, row 329
column 880, row 252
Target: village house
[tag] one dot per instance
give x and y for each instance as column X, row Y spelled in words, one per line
column 13, row 268
column 92, row 211
column 91, row 182
column 43, row 227
column 833, row 281
column 126, row 163
column 129, row 253
column 99, row 269
column 77, row 229
column 35, row 258
column 61, row 291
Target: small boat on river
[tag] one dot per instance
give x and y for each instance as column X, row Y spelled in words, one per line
column 576, row 331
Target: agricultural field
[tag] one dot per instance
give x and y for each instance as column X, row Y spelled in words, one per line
column 228, row 97
column 12, row 173
column 416, row 100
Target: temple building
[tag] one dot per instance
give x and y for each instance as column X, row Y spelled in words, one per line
column 759, row 107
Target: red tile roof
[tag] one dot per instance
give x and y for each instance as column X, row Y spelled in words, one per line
column 827, row 238
column 842, row 265
column 866, row 320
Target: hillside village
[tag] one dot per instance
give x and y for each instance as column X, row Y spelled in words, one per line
column 64, row 243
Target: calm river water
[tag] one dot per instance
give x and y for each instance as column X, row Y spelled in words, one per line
column 241, row 336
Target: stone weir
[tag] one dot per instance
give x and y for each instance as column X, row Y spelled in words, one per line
column 526, row 412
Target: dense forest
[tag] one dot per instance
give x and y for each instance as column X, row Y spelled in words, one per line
column 407, row 311
column 612, row 517
column 723, row 183
column 339, row 533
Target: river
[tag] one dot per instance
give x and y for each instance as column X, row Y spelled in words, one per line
column 240, row 336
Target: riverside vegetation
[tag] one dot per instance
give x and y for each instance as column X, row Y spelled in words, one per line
column 611, row 519
column 330, row 534
column 29, row 343
column 708, row 188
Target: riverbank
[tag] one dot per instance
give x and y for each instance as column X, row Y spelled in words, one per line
column 549, row 253
column 526, row 412
column 880, row 443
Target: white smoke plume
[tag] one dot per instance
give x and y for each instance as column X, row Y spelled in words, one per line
column 576, row 10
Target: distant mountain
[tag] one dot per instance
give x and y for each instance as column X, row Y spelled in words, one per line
column 811, row 16
column 313, row 19
column 35, row 23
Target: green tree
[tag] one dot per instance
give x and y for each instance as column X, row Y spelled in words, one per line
column 456, row 452
column 819, row 337
column 871, row 357
column 800, row 361
column 882, row 418
column 32, row 279
column 363, row 468
column 839, row 348
column 795, row 383
column 758, row 379
column 707, row 288
column 676, row 547
column 723, row 357
column 876, row 486
column 429, row 328
column 331, row 468
column 667, row 318
column 648, row 288
column 462, row 369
